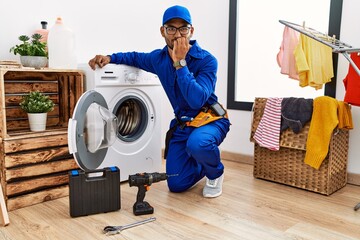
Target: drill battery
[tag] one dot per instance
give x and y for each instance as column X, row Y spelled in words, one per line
column 94, row 192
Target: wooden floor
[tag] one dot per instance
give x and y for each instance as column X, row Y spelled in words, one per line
column 248, row 209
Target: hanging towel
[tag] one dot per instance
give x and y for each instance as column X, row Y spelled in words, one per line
column 352, row 82
column 285, row 57
column 323, row 122
column 313, row 62
column 267, row 133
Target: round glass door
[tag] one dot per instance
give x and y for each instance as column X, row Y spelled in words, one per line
column 91, row 130
column 100, row 128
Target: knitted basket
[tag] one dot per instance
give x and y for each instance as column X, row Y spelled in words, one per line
column 287, row 165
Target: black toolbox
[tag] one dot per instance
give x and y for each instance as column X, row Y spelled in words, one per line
column 94, row 192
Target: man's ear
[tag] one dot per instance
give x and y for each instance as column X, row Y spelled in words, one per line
column 191, row 32
column 162, row 31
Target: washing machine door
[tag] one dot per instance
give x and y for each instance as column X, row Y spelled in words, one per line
column 91, row 130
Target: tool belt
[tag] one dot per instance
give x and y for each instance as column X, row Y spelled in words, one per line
column 205, row 116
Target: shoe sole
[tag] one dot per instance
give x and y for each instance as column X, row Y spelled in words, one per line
column 212, row 196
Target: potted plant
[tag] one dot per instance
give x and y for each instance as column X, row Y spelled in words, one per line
column 33, row 52
column 37, row 106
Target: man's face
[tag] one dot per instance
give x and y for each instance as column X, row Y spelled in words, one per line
column 174, row 29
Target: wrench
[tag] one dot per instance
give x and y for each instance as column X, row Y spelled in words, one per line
column 111, row 230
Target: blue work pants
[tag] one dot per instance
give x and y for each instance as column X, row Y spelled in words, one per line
column 194, row 153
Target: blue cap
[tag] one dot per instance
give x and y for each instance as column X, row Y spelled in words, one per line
column 177, row 12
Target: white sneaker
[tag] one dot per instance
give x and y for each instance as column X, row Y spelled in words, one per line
column 213, row 188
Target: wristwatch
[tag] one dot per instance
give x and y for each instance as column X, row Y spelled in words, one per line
column 181, row 63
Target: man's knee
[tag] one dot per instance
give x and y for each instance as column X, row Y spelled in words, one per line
column 176, row 185
column 196, row 146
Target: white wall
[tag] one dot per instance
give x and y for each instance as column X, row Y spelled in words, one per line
column 103, row 27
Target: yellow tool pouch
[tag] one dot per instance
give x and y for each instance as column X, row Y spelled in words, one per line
column 204, row 118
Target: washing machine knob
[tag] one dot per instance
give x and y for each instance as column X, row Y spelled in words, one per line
column 132, row 77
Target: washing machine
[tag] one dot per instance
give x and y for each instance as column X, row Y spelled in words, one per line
column 116, row 122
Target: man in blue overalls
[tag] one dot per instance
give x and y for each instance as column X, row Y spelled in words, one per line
column 188, row 75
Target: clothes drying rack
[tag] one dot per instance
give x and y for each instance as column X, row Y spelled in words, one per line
column 336, row 45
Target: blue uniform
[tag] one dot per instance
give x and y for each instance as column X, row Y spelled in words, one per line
column 193, row 152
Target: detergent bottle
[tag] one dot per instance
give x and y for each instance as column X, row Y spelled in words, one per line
column 61, row 46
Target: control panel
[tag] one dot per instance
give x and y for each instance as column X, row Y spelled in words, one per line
column 117, row 75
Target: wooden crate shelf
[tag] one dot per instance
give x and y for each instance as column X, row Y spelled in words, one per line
column 34, row 165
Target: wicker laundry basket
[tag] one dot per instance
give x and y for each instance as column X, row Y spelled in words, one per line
column 287, row 165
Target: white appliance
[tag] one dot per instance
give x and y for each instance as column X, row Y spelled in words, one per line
column 116, row 122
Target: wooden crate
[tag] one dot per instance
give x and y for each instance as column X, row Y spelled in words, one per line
column 34, row 165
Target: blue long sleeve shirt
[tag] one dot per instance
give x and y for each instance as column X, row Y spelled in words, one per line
column 188, row 88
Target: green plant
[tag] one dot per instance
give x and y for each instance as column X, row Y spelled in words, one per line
column 30, row 48
column 36, row 102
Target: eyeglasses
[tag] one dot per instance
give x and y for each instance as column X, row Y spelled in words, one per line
column 182, row 30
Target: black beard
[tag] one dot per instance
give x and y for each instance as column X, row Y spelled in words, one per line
column 169, row 46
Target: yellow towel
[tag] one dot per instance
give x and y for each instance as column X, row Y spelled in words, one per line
column 323, row 122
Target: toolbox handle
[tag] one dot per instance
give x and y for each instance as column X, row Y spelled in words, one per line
column 94, row 175
column 99, row 173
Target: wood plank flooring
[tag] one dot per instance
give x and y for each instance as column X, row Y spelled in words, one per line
column 248, row 209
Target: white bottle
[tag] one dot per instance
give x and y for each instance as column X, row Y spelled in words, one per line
column 61, row 45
